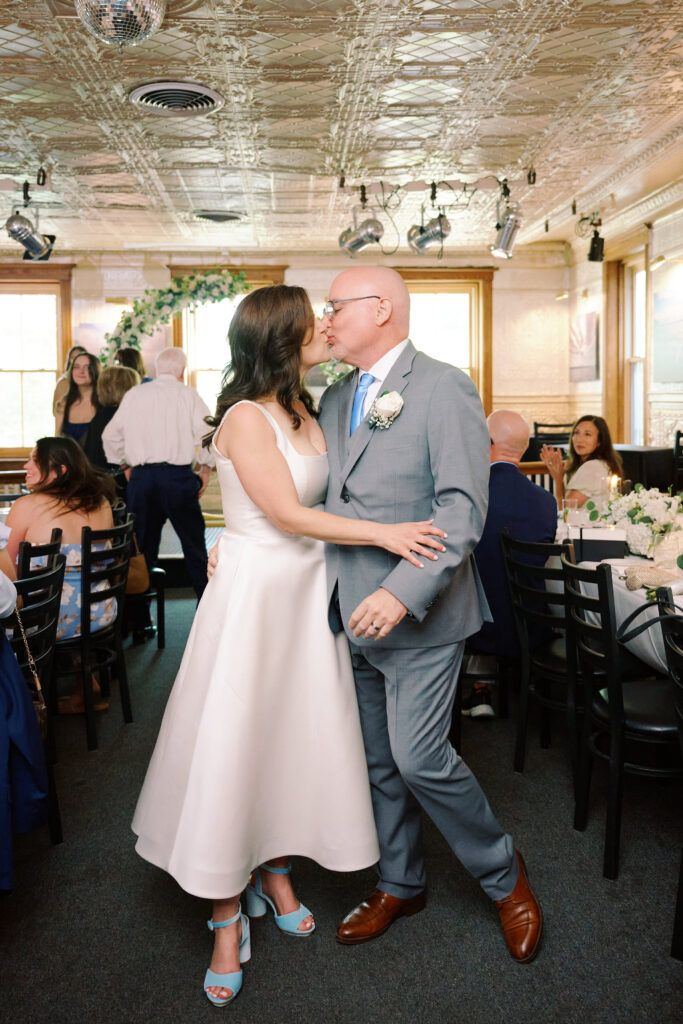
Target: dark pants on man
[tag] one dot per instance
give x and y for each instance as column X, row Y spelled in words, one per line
column 159, row 491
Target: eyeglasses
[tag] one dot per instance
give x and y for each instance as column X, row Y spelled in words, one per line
column 329, row 309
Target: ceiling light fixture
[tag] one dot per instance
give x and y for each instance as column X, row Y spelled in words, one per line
column 121, row 22
column 358, row 237
column 428, row 236
column 37, row 246
column 507, row 224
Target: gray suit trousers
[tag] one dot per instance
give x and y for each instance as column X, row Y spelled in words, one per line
column 406, row 703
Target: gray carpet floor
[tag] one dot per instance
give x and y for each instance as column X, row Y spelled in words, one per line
column 92, row 933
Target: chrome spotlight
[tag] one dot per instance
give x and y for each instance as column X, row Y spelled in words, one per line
column 38, row 247
column 508, row 227
column 367, row 233
column 121, row 22
column 430, row 235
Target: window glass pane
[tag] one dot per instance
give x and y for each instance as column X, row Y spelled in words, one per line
column 639, row 314
column 208, row 384
column 211, row 333
column 440, row 326
column 10, row 410
column 637, row 404
column 37, row 389
column 29, row 332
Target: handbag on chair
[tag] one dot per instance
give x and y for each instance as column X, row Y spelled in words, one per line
column 138, row 573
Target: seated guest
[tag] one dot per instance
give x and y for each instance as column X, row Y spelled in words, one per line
column 62, row 385
column 530, row 513
column 132, row 358
column 77, row 409
column 66, row 492
column 592, row 460
column 112, row 384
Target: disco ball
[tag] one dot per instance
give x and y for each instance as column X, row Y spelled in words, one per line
column 121, row 22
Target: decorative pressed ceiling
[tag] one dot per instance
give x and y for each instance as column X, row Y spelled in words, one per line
column 586, row 92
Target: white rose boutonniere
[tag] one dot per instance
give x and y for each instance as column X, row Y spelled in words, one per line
column 385, row 409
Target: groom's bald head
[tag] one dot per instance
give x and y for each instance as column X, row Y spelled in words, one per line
column 361, row 332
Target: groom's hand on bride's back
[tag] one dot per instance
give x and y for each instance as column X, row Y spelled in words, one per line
column 376, row 615
column 212, row 562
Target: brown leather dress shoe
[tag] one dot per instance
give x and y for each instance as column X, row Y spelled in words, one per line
column 521, row 918
column 374, row 915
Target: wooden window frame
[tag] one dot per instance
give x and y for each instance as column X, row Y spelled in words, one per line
column 481, row 323
column 36, row 274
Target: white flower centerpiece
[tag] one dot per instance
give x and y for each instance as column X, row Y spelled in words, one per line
column 652, row 520
column 158, row 305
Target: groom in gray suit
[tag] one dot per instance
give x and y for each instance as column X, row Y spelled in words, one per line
column 421, row 452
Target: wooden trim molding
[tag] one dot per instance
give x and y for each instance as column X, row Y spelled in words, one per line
column 612, row 370
column 257, row 274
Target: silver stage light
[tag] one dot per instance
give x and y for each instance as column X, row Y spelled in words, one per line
column 121, row 22
column 38, row 247
column 507, row 232
column 354, row 239
column 430, row 235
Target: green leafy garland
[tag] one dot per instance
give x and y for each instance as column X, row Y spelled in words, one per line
column 160, row 304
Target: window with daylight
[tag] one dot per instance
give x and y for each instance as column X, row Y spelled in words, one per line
column 203, row 331
column 450, row 319
column 30, row 353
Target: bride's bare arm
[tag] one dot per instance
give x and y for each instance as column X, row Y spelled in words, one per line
column 248, row 440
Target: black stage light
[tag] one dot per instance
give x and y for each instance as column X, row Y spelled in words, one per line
column 596, row 253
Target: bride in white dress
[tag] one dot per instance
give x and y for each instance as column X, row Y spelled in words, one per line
column 260, row 754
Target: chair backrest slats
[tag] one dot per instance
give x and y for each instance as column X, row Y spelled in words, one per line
column 47, row 553
column 105, row 559
column 40, row 595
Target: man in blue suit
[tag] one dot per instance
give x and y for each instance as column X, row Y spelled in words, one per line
column 530, row 513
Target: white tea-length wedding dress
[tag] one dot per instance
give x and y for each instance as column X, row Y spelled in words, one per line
column 260, row 753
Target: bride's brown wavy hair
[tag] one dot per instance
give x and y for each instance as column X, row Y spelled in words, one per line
column 266, row 334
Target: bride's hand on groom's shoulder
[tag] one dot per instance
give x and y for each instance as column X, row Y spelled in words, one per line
column 376, row 615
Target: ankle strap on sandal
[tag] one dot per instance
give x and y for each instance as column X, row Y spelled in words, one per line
column 277, row 871
column 213, row 925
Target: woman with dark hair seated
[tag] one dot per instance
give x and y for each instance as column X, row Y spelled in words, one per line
column 68, row 493
column 132, row 358
column 76, row 411
column 584, row 475
column 112, row 384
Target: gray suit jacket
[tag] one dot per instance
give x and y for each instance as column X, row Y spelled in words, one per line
column 432, row 462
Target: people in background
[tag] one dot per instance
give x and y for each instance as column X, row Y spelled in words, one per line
column 77, row 409
column 132, row 358
column 530, row 513
column 68, row 493
column 62, row 385
column 112, row 384
column 592, row 460
column 156, row 434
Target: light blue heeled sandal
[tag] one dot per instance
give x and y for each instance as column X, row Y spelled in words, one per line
column 233, row 980
column 257, row 900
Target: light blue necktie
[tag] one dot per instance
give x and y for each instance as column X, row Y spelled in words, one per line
column 366, row 379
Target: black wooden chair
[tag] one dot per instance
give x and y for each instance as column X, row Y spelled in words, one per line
column 678, row 461
column 105, row 556
column 39, row 597
column 157, row 583
column 629, row 721
column 552, row 433
column 538, row 603
column 29, row 553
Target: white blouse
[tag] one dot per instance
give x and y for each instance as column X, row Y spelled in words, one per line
column 591, row 479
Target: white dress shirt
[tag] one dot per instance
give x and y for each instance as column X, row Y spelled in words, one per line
column 380, row 372
column 162, row 421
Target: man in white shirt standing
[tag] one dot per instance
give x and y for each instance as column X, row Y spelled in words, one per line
column 156, row 433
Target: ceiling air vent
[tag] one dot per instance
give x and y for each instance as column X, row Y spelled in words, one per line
column 176, row 99
column 217, row 216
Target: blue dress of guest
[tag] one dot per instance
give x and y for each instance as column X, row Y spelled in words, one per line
column 102, row 614
column 23, row 776
column 75, row 430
